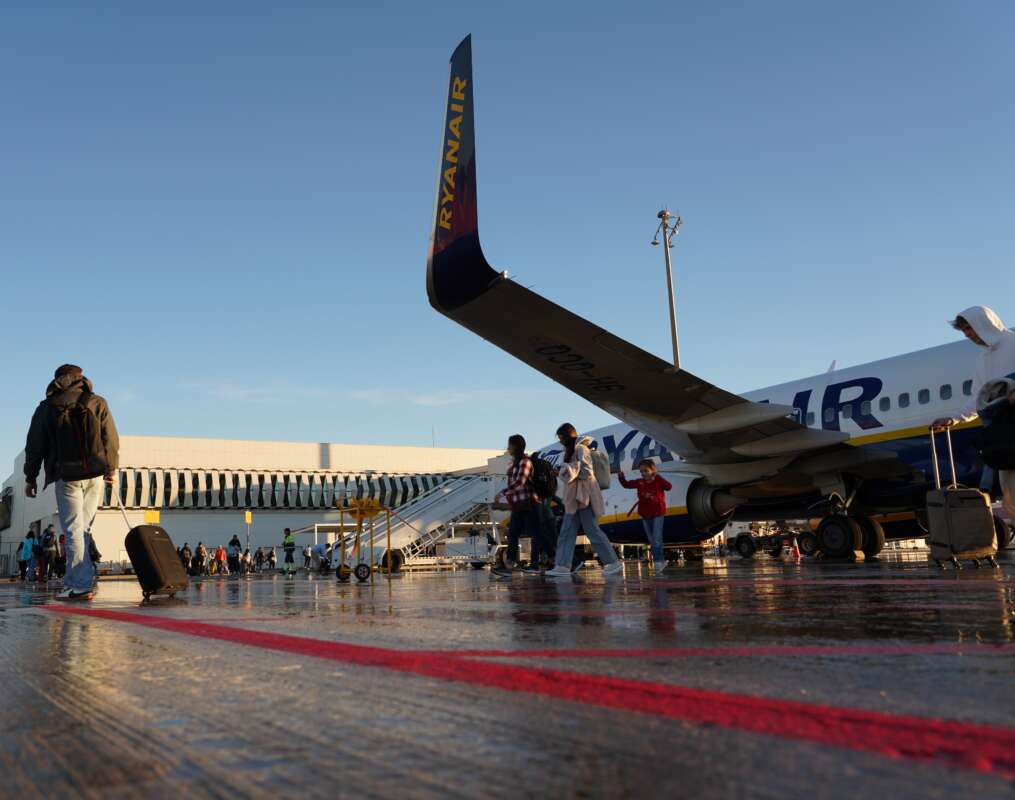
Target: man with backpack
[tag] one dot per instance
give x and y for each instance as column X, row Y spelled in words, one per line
column 73, row 437
column 525, row 502
column 48, row 568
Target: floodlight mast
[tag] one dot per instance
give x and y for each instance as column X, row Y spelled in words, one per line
column 669, row 226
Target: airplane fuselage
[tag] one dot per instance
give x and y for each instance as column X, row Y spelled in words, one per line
column 886, row 404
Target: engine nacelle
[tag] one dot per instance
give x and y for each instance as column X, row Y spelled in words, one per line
column 709, row 508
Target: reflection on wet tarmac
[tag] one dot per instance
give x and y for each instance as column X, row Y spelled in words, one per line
column 434, row 679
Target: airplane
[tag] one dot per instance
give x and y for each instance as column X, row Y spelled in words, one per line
column 848, row 448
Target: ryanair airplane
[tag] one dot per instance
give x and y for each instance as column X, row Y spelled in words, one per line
column 849, row 448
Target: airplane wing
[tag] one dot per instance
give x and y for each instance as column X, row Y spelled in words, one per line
column 722, row 435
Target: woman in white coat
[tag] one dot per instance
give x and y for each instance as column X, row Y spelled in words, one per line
column 583, row 505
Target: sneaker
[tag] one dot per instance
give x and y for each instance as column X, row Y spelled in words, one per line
column 501, row 572
column 532, row 571
column 614, row 568
column 73, row 594
column 558, row 572
column 658, row 568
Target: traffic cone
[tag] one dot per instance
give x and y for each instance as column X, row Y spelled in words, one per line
column 795, row 550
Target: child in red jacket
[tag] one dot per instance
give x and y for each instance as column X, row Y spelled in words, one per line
column 652, row 488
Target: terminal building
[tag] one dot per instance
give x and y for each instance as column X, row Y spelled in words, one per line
column 202, row 488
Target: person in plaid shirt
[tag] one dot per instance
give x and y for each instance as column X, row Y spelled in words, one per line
column 524, row 502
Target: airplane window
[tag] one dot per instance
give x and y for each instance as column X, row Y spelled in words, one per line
column 865, row 408
column 847, row 411
column 967, row 388
column 810, row 418
column 904, row 400
column 946, row 392
column 829, row 415
column 885, row 403
column 923, row 396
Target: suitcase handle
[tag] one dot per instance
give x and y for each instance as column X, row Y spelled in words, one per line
column 119, row 502
column 933, row 452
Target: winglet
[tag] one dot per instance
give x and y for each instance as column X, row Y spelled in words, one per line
column 457, row 272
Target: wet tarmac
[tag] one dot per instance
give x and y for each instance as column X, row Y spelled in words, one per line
column 728, row 678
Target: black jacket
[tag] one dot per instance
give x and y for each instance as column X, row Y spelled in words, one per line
column 39, row 449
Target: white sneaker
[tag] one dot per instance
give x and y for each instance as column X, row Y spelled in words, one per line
column 658, row 568
column 558, row 572
column 614, row 568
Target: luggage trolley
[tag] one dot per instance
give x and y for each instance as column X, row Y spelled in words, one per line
column 365, row 512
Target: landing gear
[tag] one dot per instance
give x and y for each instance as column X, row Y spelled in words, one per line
column 873, row 541
column 808, row 543
column 839, row 536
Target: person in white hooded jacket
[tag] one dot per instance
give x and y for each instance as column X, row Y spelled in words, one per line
column 983, row 327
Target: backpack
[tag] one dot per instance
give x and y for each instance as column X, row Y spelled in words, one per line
column 77, row 440
column 49, row 541
column 601, row 468
column 542, row 479
column 995, row 441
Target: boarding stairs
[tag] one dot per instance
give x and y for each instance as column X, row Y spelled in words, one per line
column 424, row 521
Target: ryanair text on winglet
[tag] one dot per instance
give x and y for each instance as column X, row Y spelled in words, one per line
column 454, row 141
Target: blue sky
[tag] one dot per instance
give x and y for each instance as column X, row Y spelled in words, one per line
column 221, row 210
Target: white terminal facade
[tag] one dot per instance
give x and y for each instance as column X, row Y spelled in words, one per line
column 203, row 487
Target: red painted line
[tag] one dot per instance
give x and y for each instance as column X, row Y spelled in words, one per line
column 984, row 748
column 776, row 651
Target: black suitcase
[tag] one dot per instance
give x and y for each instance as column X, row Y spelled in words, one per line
column 154, row 558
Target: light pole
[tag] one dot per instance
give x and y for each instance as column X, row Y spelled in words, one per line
column 669, row 226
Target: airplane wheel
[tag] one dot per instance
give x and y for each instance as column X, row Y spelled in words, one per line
column 362, row 572
column 839, row 536
column 745, row 546
column 808, row 543
column 873, row 541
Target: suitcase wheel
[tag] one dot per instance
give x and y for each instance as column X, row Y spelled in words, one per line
column 940, row 563
column 976, row 563
column 993, row 562
column 956, row 563
column 147, row 596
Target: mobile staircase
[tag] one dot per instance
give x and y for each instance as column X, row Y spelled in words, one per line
column 419, row 525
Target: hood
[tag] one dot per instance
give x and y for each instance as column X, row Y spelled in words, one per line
column 68, row 384
column 585, row 440
column 985, row 322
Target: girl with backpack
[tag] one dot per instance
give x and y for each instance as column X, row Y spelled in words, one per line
column 652, row 488
column 583, row 505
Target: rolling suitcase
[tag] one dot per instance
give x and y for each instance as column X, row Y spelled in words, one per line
column 960, row 524
column 154, row 558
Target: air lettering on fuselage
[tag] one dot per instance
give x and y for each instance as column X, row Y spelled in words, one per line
column 453, row 144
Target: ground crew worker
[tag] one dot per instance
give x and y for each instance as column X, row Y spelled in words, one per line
column 289, row 545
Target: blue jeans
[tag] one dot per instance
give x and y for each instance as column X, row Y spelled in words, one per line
column 77, row 502
column 654, row 533
column 590, row 527
column 528, row 522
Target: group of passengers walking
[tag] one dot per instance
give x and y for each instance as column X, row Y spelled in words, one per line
column 231, row 559
column 532, row 486
column 73, row 439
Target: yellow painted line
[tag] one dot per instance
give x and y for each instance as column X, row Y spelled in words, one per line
column 906, row 433
column 671, row 511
